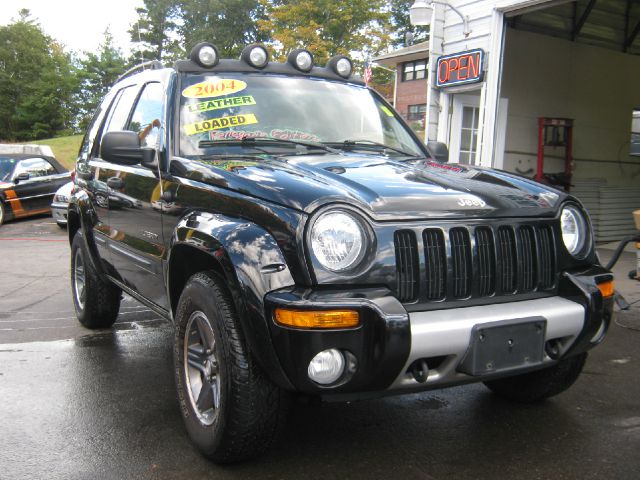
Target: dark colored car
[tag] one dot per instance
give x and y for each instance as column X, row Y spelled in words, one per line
column 304, row 241
column 28, row 182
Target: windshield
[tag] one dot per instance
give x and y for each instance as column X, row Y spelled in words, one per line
column 6, row 168
column 231, row 110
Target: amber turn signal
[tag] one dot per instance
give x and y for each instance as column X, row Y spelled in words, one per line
column 606, row 288
column 317, row 318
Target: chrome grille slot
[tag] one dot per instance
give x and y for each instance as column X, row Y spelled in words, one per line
column 486, row 257
column 407, row 266
column 546, row 257
column 526, row 238
column 436, row 264
column 508, row 260
column 460, row 262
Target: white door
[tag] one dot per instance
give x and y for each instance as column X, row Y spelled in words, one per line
column 465, row 120
column 464, row 129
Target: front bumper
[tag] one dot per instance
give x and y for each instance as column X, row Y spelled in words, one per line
column 59, row 212
column 389, row 342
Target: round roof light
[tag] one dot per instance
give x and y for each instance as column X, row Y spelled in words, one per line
column 301, row 59
column 255, row 55
column 205, row 55
column 341, row 65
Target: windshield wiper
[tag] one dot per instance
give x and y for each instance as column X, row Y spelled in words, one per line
column 255, row 141
column 370, row 145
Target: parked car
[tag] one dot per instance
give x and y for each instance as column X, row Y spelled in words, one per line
column 60, row 204
column 29, row 177
column 315, row 246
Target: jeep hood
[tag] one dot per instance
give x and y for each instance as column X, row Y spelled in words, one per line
column 383, row 188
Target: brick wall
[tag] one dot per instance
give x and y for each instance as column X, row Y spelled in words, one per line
column 413, row 92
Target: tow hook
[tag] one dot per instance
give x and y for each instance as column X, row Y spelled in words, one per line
column 420, row 370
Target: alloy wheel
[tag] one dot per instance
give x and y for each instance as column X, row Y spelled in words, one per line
column 201, row 368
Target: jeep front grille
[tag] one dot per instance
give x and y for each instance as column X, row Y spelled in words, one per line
column 473, row 262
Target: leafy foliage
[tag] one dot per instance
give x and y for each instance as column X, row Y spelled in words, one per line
column 228, row 24
column 96, row 73
column 326, row 27
column 36, row 82
column 402, row 25
column 155, row 30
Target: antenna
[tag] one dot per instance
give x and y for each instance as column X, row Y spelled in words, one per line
column 139, row 41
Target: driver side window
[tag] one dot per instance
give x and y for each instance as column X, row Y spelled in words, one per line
column 35, row 167
column 118, row 115
column 147, row 116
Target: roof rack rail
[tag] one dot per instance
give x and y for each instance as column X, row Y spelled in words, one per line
column 150, row 65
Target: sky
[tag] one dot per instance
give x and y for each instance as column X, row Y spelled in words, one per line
column 78, row 24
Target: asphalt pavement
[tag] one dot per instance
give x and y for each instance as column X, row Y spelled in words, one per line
column 80, row 404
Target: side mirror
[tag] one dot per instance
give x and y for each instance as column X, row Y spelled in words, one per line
column 124, row 148
column 438, row 151
column 21, row 177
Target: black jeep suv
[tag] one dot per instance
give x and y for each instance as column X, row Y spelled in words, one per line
column 303, row 240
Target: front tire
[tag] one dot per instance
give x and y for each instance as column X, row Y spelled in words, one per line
column 96, row 301
column 1, row 212
column 231, row 410
column 541, row 384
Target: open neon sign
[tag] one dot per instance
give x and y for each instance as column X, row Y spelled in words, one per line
column 460, row 68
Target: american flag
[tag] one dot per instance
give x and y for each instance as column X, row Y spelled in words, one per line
column 367, row 72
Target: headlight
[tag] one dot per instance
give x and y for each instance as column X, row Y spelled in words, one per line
column 337, row 240
column 60, row 199
column 574, row 230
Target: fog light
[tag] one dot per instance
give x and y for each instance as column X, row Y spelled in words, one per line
column 326, row 367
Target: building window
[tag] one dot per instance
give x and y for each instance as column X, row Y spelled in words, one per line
column 416, row 112
column 635, row 132
column 414, row 70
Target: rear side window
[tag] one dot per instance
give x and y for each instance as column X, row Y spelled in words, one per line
column 147, row 115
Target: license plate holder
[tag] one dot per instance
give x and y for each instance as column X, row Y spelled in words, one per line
column 498, row 347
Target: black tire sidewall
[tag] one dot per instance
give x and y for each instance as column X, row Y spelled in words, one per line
column 197, row 296
column 102, row 298
column 78, row 244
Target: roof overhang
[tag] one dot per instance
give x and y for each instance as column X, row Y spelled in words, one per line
column 419, row 51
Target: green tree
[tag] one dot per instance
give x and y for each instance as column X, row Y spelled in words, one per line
column 402, row 25
column 327, row 27
column 155, row 30
column 96, row 73
column 228, row 24
column 36, row 82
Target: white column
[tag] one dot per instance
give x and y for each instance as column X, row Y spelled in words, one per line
column 491, row 90
column 436, row 37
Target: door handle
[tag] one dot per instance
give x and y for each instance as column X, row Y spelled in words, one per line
column 115, row 182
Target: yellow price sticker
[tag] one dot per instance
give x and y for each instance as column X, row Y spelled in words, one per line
column 220, row 103
column 215, row 88
column 219, row 123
